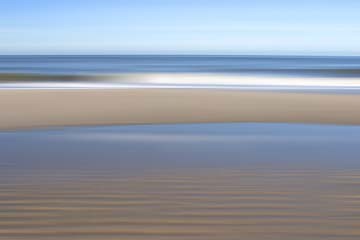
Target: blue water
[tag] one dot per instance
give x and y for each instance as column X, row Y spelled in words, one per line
column 249, row 65
column 230, row 145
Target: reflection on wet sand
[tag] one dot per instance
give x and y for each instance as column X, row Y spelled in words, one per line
column 215, row 181
column 181, row 204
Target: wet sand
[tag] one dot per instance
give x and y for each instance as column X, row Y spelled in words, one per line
column 181, row 204
column 201, row 181
column 51, row 108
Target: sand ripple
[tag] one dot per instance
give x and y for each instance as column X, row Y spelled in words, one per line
column 180, row 204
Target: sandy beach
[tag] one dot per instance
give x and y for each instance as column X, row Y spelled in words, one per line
column 55, row 108
column 207, row 204
column 181, row 181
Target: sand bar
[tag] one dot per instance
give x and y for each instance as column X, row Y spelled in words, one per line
column 53, row 108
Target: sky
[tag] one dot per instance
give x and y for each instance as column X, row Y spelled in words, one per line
column 306, row 27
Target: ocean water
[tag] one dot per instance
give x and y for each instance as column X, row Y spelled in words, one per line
column 290, row 65
column 296, row 72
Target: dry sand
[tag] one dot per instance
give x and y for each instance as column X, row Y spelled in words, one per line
column 52, row 108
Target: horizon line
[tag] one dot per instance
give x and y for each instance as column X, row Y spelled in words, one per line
column 183, row 54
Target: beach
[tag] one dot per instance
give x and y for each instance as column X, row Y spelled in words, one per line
column 33, row 108
column 181, row 181
column 179, row 120
column 178, row 204
column 178, row 164
column 179, row 147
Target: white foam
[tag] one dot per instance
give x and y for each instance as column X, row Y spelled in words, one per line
column 195, row 81
column 223, row 79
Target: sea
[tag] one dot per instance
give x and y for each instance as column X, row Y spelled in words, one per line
column 204, row 71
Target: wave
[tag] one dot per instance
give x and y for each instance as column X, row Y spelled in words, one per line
column 171, row 80
column 34, row 77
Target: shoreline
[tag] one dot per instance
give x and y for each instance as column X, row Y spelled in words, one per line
column 43, row 108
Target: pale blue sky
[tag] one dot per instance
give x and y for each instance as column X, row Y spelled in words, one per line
column 313, row 27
